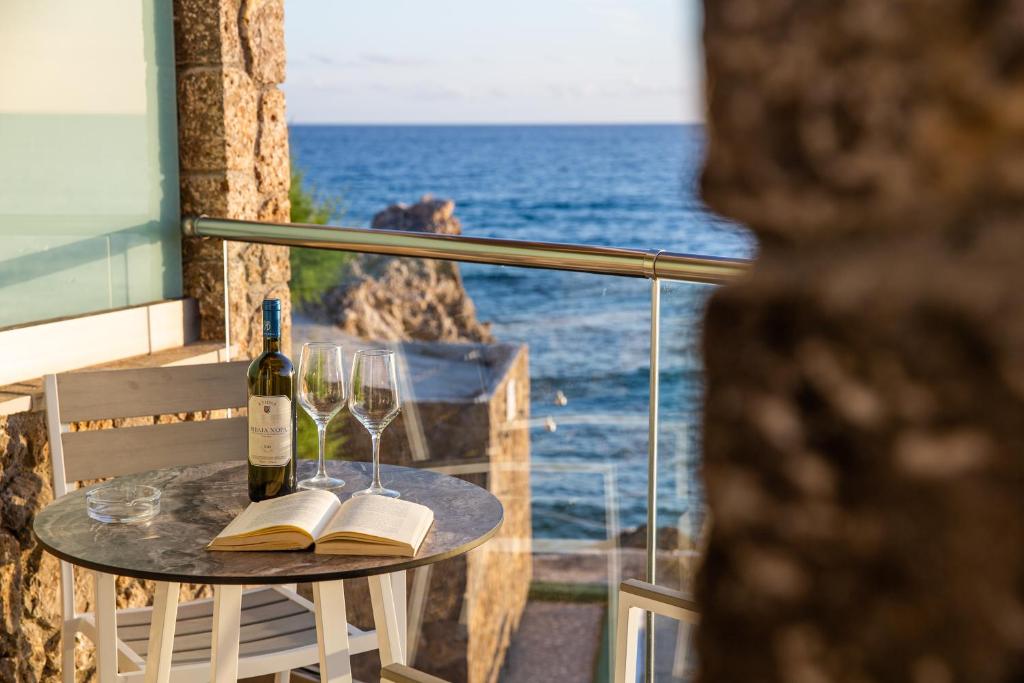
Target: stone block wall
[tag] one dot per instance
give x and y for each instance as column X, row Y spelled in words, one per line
column 865, row 382
column 30, row 614
column 233, row 152
column 474, row 602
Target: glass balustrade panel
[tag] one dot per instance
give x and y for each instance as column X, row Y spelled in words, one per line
column 682, row 514
column 534, row 384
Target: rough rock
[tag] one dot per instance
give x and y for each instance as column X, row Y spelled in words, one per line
column 865, row 380
column 29, row 610
column 407, row 299
column 233, row 157
column 262, row 32
column 426, row 215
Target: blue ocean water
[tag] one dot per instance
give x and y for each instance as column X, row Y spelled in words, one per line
column 616, row 185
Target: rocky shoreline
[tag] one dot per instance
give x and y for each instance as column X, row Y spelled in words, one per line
column 392, row 298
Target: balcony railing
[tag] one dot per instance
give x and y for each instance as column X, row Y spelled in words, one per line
column 655, row 266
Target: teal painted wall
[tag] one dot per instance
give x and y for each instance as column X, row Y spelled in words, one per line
column 89, row 216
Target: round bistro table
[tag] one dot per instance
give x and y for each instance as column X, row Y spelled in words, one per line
column 198, row 501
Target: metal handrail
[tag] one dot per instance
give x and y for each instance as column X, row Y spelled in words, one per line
column 652, row 264
column 576, row 257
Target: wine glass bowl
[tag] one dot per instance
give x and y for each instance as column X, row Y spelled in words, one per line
column 374, row 400
column 322, row 395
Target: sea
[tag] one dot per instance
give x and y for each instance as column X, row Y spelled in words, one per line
column 588, row 335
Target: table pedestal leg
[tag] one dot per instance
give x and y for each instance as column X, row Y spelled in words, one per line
column 105, row 610
column 332, row 632
column 285, row 676
column 227, row 618
column 385, row 620
column 161, row 633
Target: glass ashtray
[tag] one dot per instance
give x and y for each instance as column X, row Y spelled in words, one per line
column 123, row 503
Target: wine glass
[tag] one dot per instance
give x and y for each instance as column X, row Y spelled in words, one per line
column 322, row 396
column 375, row 402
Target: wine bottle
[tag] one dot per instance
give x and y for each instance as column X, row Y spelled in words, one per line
column 272, row 455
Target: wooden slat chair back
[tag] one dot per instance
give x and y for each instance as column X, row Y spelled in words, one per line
column 112, row 394
column 83, row 455
column 635, row 598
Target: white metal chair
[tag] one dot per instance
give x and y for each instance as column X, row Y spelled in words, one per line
column 277, row 630
column 635, row 598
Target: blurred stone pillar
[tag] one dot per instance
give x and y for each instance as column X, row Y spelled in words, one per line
column 233, row 152
column 865, row 383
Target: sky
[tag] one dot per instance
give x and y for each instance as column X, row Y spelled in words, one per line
column 490, row 61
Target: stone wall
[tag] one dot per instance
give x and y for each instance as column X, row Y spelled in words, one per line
column 30, row 614
column 865, row 382
column 468, row 408
column 474, row 602
column 233, row 151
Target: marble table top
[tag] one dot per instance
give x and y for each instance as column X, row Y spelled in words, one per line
column 198, row 501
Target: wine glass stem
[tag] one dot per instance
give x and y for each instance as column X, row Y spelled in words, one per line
column 321, row 432
column 375, row 438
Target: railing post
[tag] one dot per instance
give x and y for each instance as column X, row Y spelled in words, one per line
column 227, row 303
column 652, row 471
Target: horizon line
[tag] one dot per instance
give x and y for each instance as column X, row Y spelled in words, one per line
column 495, row 123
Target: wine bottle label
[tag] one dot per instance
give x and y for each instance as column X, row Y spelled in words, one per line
column 270, row 430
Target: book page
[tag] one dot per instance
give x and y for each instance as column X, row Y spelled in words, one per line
column 391, row 519
column 306, row 510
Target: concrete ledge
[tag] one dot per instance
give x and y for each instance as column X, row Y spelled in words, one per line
column 70, row 343
column 27, row 396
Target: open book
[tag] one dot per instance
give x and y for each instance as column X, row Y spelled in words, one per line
column 363, row 525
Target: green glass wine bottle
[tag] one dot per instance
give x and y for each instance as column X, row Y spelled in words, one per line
column 272, row 455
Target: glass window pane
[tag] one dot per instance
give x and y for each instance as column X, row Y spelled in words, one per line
column 88, row 158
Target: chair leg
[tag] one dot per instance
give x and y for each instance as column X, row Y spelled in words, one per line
column 417, row 606
column 627, row 628
column 401, row 614
column 332, row 632
column 227, row 618
column 67, row 654
column 385, row 620
column 682, row 646
column 105, row 610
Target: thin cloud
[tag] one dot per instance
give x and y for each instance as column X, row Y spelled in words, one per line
column 426, row 89
column 392, row 60
column 367, row 59
column 629, row 87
